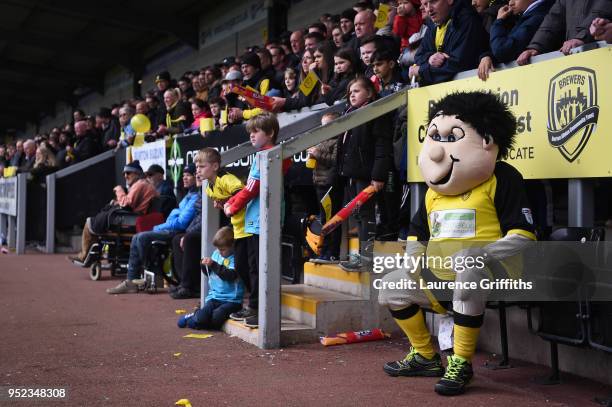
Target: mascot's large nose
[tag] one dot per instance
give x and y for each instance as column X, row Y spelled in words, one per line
column 436, row 153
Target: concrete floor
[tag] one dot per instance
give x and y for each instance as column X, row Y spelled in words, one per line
column 60, row 329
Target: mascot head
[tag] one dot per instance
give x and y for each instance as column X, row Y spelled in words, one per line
column 467, row 133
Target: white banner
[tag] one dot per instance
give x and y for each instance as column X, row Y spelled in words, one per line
column 8, row 196
column 149, row 154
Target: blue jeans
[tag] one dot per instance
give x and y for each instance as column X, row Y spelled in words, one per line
column 214, row 314
column 140, row 247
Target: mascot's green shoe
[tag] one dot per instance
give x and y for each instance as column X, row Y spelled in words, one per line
column 458, row 374
column 414, row 364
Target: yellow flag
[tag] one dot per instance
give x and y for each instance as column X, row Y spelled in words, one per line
column 223, row 118
column 382, row 16
column 207, row 124
column 309, row 83
column 326, row 203
column 183, row 402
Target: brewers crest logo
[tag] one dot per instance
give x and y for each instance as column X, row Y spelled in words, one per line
column 572, row 110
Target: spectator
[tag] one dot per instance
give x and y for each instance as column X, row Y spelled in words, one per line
column 312, row 39
column 186, row 249
column 225, row 290
column 138, row 198
column 162, row 83
column 318, row 27
column 268, row 71
column 279, row 63
column 252, row 76
column 29, row 156
column 297, row 47
column 217, row 105
column 364, row 27
column 364, row 157
column 508, row 41
column 345, row 70
column 157, row 111
column 300, row 100
column 184, row 84
column 221, row 186
column 44, row 165
column 337, row 36
column 78, row 115
column 347, row 25
column 564, row 27
column 177, row 222
column 178, row 113
column 212, row 81
column 263, row 130
column 326, row 180
column 200, row 110
column 369, row 45
column 290, row 87
column 387, row 77
column 407, row 21
column 453, row 42
column 109, row 126
column 18, row 155
column 155, row 176
column 126, row 138
column 84, row 146
column 488, row 11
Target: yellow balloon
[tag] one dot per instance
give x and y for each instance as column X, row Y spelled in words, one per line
column 140, row 123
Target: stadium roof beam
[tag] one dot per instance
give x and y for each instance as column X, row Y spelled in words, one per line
column 64, row 45
column 185, row 29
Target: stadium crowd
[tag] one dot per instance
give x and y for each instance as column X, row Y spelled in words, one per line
column 424, row 41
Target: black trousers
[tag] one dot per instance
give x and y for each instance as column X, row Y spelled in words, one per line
column 253, row 254
column 186, row 261
column 241, row 261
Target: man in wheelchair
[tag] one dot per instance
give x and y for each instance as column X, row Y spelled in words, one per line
column 137, row 199
column 177, row 222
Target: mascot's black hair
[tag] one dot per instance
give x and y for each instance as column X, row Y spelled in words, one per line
column 485, row 112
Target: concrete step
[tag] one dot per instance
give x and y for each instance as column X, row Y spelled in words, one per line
column 324, row 310
column 291, row 332
column 332, row 277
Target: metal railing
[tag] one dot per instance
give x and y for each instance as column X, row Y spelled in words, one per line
column 13, row 221
column 51, row 193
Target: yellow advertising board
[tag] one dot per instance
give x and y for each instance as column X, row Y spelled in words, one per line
column 563, row 108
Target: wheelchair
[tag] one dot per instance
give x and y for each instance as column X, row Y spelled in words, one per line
column 111, row 250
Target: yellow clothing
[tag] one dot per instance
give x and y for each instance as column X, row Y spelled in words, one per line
column 440, row 34
column 224, row 187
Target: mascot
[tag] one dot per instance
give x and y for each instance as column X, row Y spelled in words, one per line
column 475, row 208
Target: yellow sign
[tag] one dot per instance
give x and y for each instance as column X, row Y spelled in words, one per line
column 383, row 16
column 563, row 130
column 207, row 124
column 309, row 83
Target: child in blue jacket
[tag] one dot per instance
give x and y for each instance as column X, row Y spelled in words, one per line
column 225, row 289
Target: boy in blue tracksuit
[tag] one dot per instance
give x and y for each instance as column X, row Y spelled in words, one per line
column 177, row 222
column 263, row 130
column 225, row 289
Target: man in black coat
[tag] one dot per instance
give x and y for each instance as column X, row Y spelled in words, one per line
column 453, row 43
